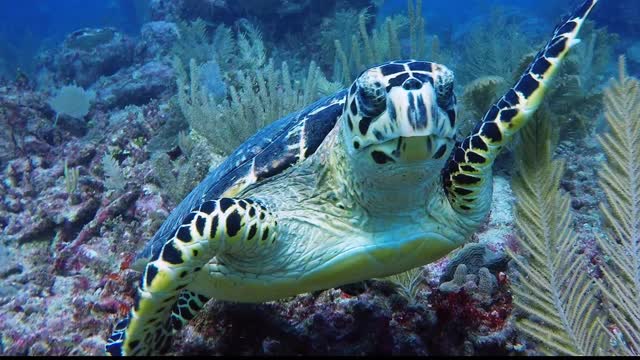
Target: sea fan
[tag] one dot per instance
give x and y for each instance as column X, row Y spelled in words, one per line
column 620, row 180
column 554, row 289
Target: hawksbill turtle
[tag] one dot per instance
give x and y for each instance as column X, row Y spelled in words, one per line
column 366, row 183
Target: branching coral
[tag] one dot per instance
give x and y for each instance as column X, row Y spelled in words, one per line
column 227, row 102
column 478, row 96
column 195, row 44
column 416, row 29
column 340, row 28
column 554, row 289
column 262, row 96
column 576, row 96
column 251, row 50
column 494, row 48
column 190, row 169
column 113, row 177
column 231, row 50
column 71, row 176
column 408, row 282
column 366, row 48
column 620, row 181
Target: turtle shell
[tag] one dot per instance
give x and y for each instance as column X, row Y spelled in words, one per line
column 277, row 147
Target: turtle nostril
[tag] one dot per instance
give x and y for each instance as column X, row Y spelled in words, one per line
column 412, row 84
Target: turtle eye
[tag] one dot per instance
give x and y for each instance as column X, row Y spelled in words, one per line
column 372, row 98
column 444, row 89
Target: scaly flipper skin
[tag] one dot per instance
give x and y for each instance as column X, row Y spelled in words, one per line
column 467, row 176
column 188, row 305
column 216, row 226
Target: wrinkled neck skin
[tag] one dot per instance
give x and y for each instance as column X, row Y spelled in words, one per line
column 410, row 192
column 383, row 190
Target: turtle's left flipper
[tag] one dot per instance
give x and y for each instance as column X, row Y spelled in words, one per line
column 217, row 226
column 188, row 305
column 467, row 175
column 148, row 328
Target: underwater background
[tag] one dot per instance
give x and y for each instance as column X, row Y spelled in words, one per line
column 111, row 111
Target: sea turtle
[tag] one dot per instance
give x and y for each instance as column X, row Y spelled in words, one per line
column 366, row 183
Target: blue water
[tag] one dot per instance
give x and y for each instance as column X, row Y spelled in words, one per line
column 27, row 26
column 55, row 18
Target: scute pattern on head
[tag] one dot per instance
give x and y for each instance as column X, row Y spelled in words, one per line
column 400, row 98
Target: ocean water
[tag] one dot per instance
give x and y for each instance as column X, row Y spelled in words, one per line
column 120, row 117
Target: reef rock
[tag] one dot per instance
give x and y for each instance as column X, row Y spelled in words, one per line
column 86, row 55
column 156, row 40
column 135, row 85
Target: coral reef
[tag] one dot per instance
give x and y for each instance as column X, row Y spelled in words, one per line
column 476, row 98
column 69, row 244
column 136, row 85
column 84, row 56
column 83, row 193
column 65, row 276
column 354, row 320
column 24, row 123
column 575, row 295
column 481, row 286
column 554, row 290
column 277, row 17
column 119, row 69
column 621, row 211
column 156, row 40
column 493, row 48
column 358, row 47
column 63, row 206
column 259, row 93
column 578, row 92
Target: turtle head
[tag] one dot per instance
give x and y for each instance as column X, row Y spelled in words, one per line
column 398, row 129
column 401, row 112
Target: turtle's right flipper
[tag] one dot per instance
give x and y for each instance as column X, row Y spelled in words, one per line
column 217, row 226
column 467, row 175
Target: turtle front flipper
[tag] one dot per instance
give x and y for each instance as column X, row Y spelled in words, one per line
column 188, row 305
column 467, row 176
column 216, row 227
